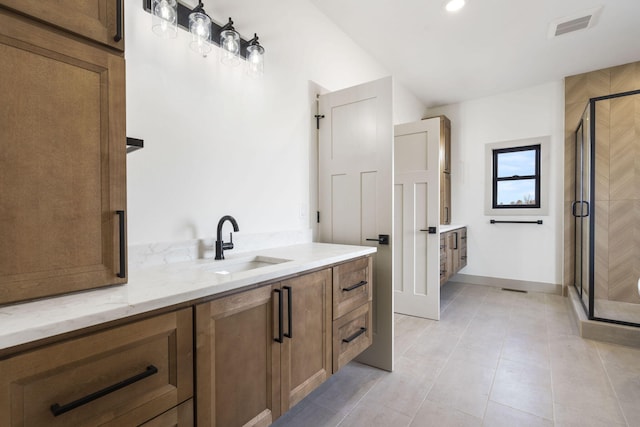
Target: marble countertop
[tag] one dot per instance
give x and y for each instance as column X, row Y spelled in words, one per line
column 161, row 286
column 450, row 227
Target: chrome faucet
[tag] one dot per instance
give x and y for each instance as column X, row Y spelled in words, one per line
column 220, row 245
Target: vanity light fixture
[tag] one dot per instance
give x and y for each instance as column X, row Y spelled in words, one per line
column 200, row 29
column 454, row 5
column 255, row 58
column 205, row 32
column 230, row 44
column 165, row 18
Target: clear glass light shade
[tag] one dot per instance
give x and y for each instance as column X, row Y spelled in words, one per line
column 255, row 60
column 230, row 45
column 165, row 18
column 200, row 29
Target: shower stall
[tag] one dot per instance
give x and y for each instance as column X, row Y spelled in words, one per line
column 606, row 208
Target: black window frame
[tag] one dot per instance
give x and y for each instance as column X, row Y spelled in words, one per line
column 536, row 176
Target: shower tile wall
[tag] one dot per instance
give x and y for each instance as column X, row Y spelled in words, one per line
column 617, row 178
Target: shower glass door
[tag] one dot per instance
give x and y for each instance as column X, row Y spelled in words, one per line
column 581, row 208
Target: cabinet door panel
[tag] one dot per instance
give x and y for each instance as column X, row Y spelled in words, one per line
column 306, row 357
column 238, row 365
column 62, row 162
column 94, row 19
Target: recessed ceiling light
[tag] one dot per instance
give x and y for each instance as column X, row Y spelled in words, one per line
column 454, row 5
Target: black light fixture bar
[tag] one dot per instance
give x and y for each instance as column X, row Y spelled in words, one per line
column 183, row 22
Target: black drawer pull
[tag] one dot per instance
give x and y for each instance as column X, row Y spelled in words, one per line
column 289, row 310
column 122, row 273
column 354, row 336
column 118, row 35
column 352, row 287
column 56, row 409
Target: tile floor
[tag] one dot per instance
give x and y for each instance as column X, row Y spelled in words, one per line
column 496, row 358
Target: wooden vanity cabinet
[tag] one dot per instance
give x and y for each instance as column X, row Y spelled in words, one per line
column 126, row 375
column 246, row 376
column 63, row 144
column 98, row 20
column 352, row 310
column 453, row 253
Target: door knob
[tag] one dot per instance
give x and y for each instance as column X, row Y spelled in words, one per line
column 431, row 230
column 382, row 239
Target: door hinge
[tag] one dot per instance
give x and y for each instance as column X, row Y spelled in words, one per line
column 318, row 117
column 318, row 217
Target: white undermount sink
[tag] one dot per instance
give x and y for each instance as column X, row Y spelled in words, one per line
column 243, row 264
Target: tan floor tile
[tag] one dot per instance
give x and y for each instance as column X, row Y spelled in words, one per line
column 434, row 414
column 404, row 389
column 498, row 415
column 526, row 348
column 572, row 417
column 524, row 386
column 306, row 414
column 371, row 415
column 342, row 391
column 464, row 386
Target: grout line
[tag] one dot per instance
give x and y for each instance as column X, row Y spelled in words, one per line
column 615, row 393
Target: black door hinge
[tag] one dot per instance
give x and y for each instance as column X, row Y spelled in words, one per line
column 318, row 216
column 318, row 117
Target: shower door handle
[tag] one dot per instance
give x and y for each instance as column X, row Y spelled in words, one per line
column 582, row 214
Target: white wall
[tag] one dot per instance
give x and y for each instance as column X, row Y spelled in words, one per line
column 509, row 251
column 217, row 142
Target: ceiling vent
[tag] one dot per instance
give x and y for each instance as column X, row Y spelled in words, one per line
column 576, row 22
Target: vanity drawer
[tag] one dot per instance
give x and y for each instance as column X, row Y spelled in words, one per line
column 352, row 284
column 121, row 376
column 352, row 334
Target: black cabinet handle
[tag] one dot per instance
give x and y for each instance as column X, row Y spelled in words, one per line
column 354, row 336
column 280, row 338
column 456, row 240
column 122, row 273
column 57, row 409
column 352, row 287
column 118, row 35
column 289, row 322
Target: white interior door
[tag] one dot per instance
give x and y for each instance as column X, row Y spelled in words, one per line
column 417, row 199
column 356, row 191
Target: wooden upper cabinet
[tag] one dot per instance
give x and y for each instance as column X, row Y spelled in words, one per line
column 62, row 161
column 98, row 20
column 445, row 144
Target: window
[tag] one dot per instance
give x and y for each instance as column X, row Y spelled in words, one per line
column 516, row 177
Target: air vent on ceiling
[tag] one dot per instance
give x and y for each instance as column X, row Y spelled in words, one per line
column 576, row 22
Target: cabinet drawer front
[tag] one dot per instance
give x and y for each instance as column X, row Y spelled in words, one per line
column 352, row 334
column 351, row 285
column 121, row 376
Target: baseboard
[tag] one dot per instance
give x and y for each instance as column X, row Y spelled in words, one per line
column 519, row 285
